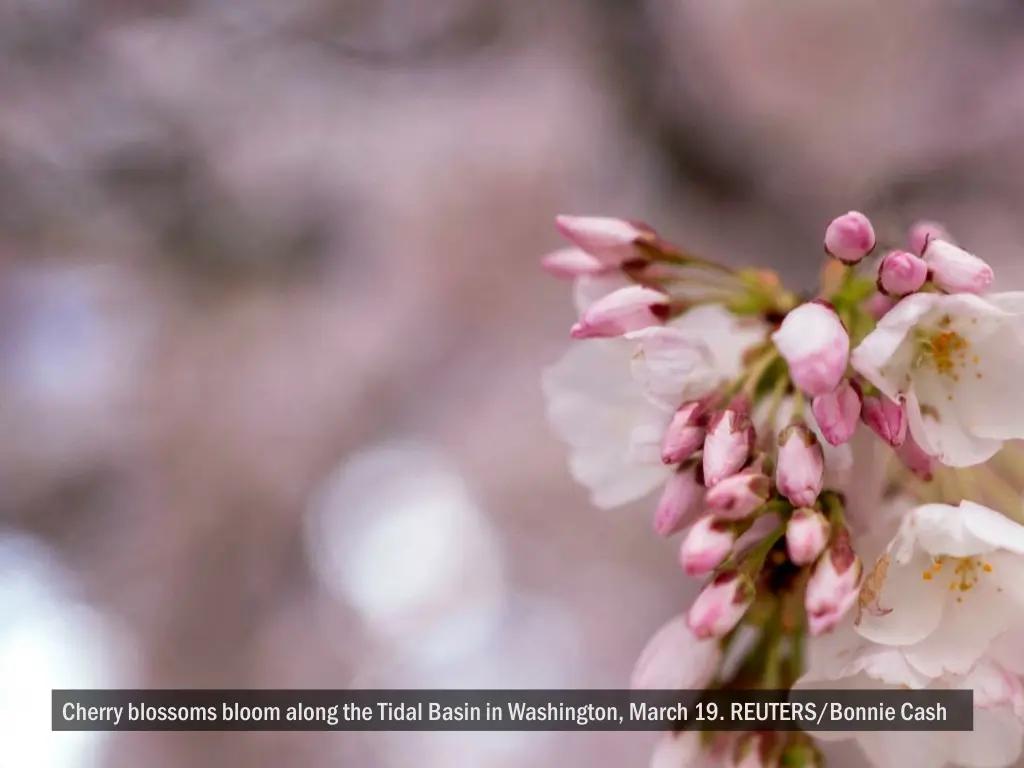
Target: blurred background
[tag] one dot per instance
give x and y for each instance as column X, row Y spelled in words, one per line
column 271, row 323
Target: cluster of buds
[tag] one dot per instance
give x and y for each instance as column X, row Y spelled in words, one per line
column 747, row 450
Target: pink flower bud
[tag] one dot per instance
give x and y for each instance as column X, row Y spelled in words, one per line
column 850, row 237
column 611, row 241
column 572, row 263
column 706, row 546
column 900, row 273
column 955, row 270
column 806, row 536
column 728, row 444
column 674, row 659
column 685, row 433
column 680, row 502
column 801, row 466
column 916, row 459
column 837, row 413
column 816, row 347
column 738, row 496
column 721, row 605
column 627, row 309
column 887, row 419
column 878, row 305
column 923, row 232
column 834, row 585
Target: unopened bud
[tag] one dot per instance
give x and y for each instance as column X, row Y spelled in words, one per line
column 685, row 433
column 801, row 466
column 901, row 273
column 738, row 496
column 834, row 585
column 850, row 237
column 611, row 241
column 721, row 605
column 837, row 413
column 879, row 305
column 572, row 263
column 815, row 345
column 706, row 546
column 955, row 270
column 680, row 502
column 806, row 536
column 627, row 309
column 916, row 459
column 923, row 232
column 727, row 446
column 886, row 419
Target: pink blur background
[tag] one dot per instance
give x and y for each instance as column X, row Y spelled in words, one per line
column 271, row 324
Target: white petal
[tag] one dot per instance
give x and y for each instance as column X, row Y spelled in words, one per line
column 878, row 358
column 1006, row 649
column 917, row 606
column 726, row 335
column 993, row 527
column 935, row 422
column 966, row 631
column 989, row 395
column 672, row 366
column 594, row 406
column 590, row 288
column 1009, row 301
column 1008, row 575
column 942, row 529
column 903, row 749
column 995, row 741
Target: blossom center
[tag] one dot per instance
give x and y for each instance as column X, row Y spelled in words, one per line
column 959, row 574
column 945, row 350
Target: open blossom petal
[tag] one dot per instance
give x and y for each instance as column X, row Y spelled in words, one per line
column 672, row 366
column 674, row 659
column 957, row 360
column 610, row 427
column 953, row 586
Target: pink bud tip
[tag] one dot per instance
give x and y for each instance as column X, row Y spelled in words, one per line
column 815, row 345
column 628, row 309
column 679, row 503
column 571, row 263
column 834, row 585
column 901, row 273
column 727, row 447
column 850, row 237
column 837, row 413
column 611, row 241
column 685, row 433
column 801, row 466
column 706, row 546
column 955, row 270
column 806, row 536
column 916, row 459
column 923, row 232
column 879, row 305
column 737, row 497
column 886, row 419
column 721, row 605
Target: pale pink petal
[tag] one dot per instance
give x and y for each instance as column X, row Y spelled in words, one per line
column 917, row 606
column 671, row 366
column 674, row 659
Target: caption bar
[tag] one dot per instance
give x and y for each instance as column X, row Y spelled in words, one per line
column 570, row 710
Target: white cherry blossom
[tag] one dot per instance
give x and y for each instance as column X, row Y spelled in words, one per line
column 610, row 399
column 845, row 660
column 955, row 583
column 958, row 362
